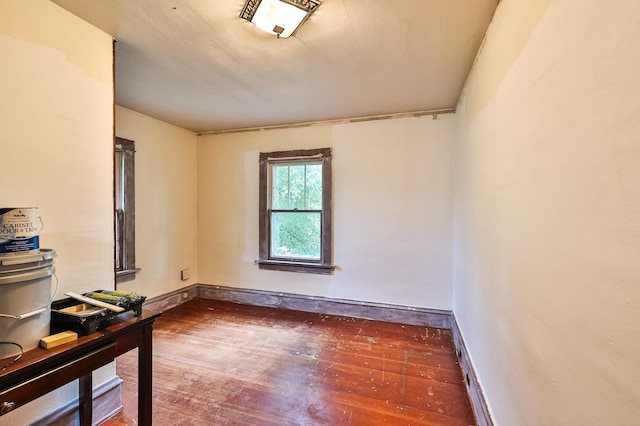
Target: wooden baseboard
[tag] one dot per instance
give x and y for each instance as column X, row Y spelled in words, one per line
column 368, row 310
column 106, row 403
column 476, row 395
column 438, row 318
column 171, row 300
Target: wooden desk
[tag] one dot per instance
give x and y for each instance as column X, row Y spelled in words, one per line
column 41, row 371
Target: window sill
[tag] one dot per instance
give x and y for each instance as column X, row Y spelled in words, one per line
column 310, row 268
column 126, row 275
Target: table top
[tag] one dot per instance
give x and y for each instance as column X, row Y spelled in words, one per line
column 36, row 360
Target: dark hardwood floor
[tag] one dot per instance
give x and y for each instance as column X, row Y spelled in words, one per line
column 219, row 363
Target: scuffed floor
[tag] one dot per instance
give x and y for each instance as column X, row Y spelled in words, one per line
column 218, row 363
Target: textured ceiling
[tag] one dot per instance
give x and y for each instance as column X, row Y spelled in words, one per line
column 196, row 64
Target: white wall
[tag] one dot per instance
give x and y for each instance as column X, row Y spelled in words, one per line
column 56, row 137
column 166, row 216
column 547, row 213
column 392, row 210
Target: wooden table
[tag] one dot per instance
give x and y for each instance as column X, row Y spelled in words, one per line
column 41, row 371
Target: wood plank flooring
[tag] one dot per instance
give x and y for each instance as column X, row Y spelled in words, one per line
column 219, row 363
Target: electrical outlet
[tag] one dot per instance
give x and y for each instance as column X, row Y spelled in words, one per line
column 185, row 274
column 185, row 295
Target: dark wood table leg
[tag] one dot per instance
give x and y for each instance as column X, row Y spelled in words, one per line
column 86, row 399
column 145, row 384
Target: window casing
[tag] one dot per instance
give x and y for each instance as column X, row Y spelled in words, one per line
column 124, row 195
column 295, row 211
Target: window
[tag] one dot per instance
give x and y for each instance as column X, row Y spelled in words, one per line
column 295, row 211
column 125, row 213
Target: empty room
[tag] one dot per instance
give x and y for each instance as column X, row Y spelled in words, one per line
column 409, row 212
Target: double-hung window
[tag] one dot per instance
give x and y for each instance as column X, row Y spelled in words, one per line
column 295, row 211
column 125, row 208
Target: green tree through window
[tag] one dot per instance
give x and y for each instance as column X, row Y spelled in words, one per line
column 296, row 210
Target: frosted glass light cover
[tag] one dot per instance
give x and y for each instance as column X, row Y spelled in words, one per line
column 272, row 13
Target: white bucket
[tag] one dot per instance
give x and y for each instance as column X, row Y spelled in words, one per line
column 19, row 229
column 25, row 301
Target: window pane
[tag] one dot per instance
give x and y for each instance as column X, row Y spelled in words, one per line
column 295, row 235
column 314, row 187
column 296, row 186
column 119, row 180
column 280, row 187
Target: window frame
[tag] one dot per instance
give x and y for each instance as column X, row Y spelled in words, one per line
column 125, row 218
column 266, row 260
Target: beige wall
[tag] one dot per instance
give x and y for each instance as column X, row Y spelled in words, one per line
column 166, row 216
column 547, row 213
column 392, row 210
column 56, row 147
column 546, row 236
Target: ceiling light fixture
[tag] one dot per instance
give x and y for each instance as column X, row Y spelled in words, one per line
column 278, row 17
